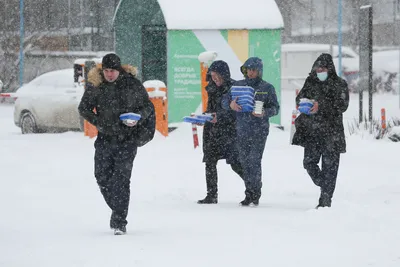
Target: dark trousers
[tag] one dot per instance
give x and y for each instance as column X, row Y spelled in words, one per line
column 324, row 177
column 212, row 176
column 251, row 151
column 113, row 169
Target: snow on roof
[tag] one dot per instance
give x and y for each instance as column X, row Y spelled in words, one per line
column 221, row 14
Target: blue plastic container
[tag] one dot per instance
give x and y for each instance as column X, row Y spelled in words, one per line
column 130, row 116
column 242, row 89
column 304, row 107
column 241, row 94
column 247, row 108
column 245, row 100
column 206, row 117
column 195, row 120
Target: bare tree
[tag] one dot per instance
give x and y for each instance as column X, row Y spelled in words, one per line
column 42, row 19
column 287, row 8
column 354, row 23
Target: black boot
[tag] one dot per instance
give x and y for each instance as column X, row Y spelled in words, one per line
column 256, row 199
column 324, row 201
column 251, row 198
column 209, row 199
column 248, row 199
column 120, row 230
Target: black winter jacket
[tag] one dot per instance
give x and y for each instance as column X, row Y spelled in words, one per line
column 326, row 126
column 219, row 139
column 127, row 95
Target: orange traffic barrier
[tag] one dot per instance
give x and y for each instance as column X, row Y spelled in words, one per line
column 158, row 96
column 383, row 117
column 194, row 132
column 204, row 95
column 292, row 126
column 297, row 93
column 89, row 129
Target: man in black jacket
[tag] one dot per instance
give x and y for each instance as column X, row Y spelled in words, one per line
column 321, row 132
column 219, row 135
column 111, row 91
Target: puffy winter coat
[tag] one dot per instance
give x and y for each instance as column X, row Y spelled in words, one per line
column 110, row 100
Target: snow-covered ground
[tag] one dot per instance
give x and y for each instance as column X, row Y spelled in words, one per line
column 52, row 213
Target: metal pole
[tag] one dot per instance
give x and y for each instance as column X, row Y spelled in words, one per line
column 370, row 24
column 398, row 74
column 69, row 25
column 82, row 11
column 325, row 19
column 21, row 42
column 91, row 30
column 340, row 37
column 394, row 23
column 311, row 19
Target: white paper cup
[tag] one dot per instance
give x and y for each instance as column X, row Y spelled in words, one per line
column 258, row 107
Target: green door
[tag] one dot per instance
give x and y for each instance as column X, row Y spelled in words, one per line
column 154, row 53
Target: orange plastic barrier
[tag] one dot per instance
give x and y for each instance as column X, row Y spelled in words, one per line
column 158, row 97
column 204, row 95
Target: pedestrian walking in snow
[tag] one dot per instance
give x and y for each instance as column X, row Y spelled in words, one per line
column 252, row 128
column 111, row 91
column 219, row 135
column 321, row 132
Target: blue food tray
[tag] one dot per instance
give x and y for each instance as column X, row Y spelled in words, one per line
column 305, row 107
column 206, row 117
column 193, row 120
column 130, row 116
column 247, row 108
column 245, row 102
column 245, row 99
column 242, row 94
column 242, row 89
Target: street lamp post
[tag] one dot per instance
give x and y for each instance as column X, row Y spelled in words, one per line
column 21, row 43
column 340, row 37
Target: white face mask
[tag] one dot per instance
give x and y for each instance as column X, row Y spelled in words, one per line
column 322, row 76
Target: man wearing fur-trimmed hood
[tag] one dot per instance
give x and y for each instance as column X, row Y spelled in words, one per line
column 111, row 91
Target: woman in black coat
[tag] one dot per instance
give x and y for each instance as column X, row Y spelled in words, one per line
column 321, row 132
column 219, row 135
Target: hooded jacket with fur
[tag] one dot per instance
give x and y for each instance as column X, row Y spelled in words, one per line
column 103, row 103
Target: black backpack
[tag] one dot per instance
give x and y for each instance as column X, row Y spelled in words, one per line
column 146, row 128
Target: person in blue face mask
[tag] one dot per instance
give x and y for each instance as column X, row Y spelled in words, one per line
column 252, row 128
column 320, row 131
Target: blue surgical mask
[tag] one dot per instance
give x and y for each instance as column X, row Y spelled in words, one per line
column 322, row 76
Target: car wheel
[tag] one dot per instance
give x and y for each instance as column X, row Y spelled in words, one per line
column 28, row 124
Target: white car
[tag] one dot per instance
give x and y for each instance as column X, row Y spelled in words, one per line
column 49, row 103
column 298, row 58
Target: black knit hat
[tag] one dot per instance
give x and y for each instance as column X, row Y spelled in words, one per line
column 111, row 61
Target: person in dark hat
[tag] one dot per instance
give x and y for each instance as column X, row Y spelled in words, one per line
column 219, row 135
column 321, row 131
column 112, row 90
column 252, row 128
